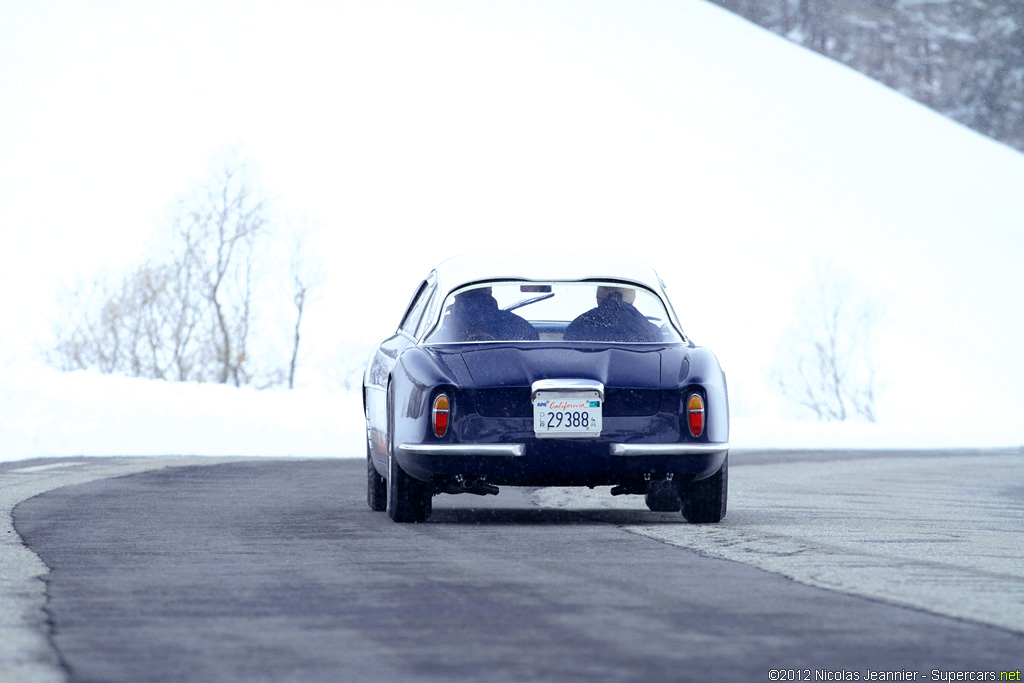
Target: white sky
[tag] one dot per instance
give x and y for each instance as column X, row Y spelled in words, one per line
column 721, row 155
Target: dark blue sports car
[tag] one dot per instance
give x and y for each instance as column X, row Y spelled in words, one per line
column 522, row 371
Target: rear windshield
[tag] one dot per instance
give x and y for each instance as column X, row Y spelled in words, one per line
column 553, row 311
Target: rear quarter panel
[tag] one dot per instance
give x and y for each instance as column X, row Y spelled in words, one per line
column 414, row 381
column 705, row 371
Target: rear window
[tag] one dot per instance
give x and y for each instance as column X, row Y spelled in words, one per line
column 553, row 311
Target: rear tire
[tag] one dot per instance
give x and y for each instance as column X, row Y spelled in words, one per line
column 376, row 486
column 704, row 501
column 408, row 499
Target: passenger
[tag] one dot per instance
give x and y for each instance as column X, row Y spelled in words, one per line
column 615, row 319
column 474, row 316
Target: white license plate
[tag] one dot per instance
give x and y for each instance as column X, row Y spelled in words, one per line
column 569, row 414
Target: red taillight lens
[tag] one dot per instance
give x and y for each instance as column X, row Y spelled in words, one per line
column 695, row 415
column 439, row 415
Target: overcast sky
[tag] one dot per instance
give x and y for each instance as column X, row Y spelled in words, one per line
column 413, row 130
column 443, row 123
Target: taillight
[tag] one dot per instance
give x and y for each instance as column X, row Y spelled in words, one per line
column 695, row 414
column 439, row 415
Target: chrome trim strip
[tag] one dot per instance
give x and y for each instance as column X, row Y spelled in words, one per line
column 567, row 384
column 508, row 450
column 640, row 449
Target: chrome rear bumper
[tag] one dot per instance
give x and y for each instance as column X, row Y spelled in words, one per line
column 506, row 450
column 515, row 450
column 642, row 449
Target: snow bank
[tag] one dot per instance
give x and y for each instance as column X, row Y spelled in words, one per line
column 44, row 412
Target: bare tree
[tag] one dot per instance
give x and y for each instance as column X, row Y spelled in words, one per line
column 825, row 361
column 82, row 341
column 189, row 315
column 217, row 233
column 306, row 273
column 120, row 324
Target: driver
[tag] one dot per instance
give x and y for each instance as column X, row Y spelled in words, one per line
column 615, row 319
column 474, row 316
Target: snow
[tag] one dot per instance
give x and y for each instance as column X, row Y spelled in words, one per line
column 725, row 157
column 44, row 412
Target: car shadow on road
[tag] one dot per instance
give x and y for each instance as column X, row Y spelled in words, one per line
column 549, row 516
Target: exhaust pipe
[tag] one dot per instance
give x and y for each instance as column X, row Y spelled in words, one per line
column 651, row 483
column 478, row 487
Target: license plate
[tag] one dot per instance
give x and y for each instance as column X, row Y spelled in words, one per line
column 569, row 414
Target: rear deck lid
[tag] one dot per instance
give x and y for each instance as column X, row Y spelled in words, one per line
column 503, row 376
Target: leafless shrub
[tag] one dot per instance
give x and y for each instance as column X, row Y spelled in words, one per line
column 824, row 362
column 189, row 315
column 118, row 324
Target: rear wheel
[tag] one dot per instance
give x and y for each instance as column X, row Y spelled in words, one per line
column 376, row 486
column 705, row 501
column 408, row 498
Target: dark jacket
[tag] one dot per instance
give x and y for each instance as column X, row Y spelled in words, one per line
column 475, row 316
column 613, row 320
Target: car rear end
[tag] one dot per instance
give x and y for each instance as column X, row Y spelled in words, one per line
column 568, row 415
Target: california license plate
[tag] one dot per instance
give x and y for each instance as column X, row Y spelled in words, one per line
column 568, row 414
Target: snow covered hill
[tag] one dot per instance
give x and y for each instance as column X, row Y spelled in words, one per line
column 724, row 156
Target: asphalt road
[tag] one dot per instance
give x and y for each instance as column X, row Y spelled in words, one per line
column 277, row 570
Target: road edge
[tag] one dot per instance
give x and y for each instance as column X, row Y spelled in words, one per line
column 26, row 650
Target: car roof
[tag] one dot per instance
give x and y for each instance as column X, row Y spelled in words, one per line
column 585, row 265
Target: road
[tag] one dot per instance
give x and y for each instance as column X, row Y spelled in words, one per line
column 203, row 570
